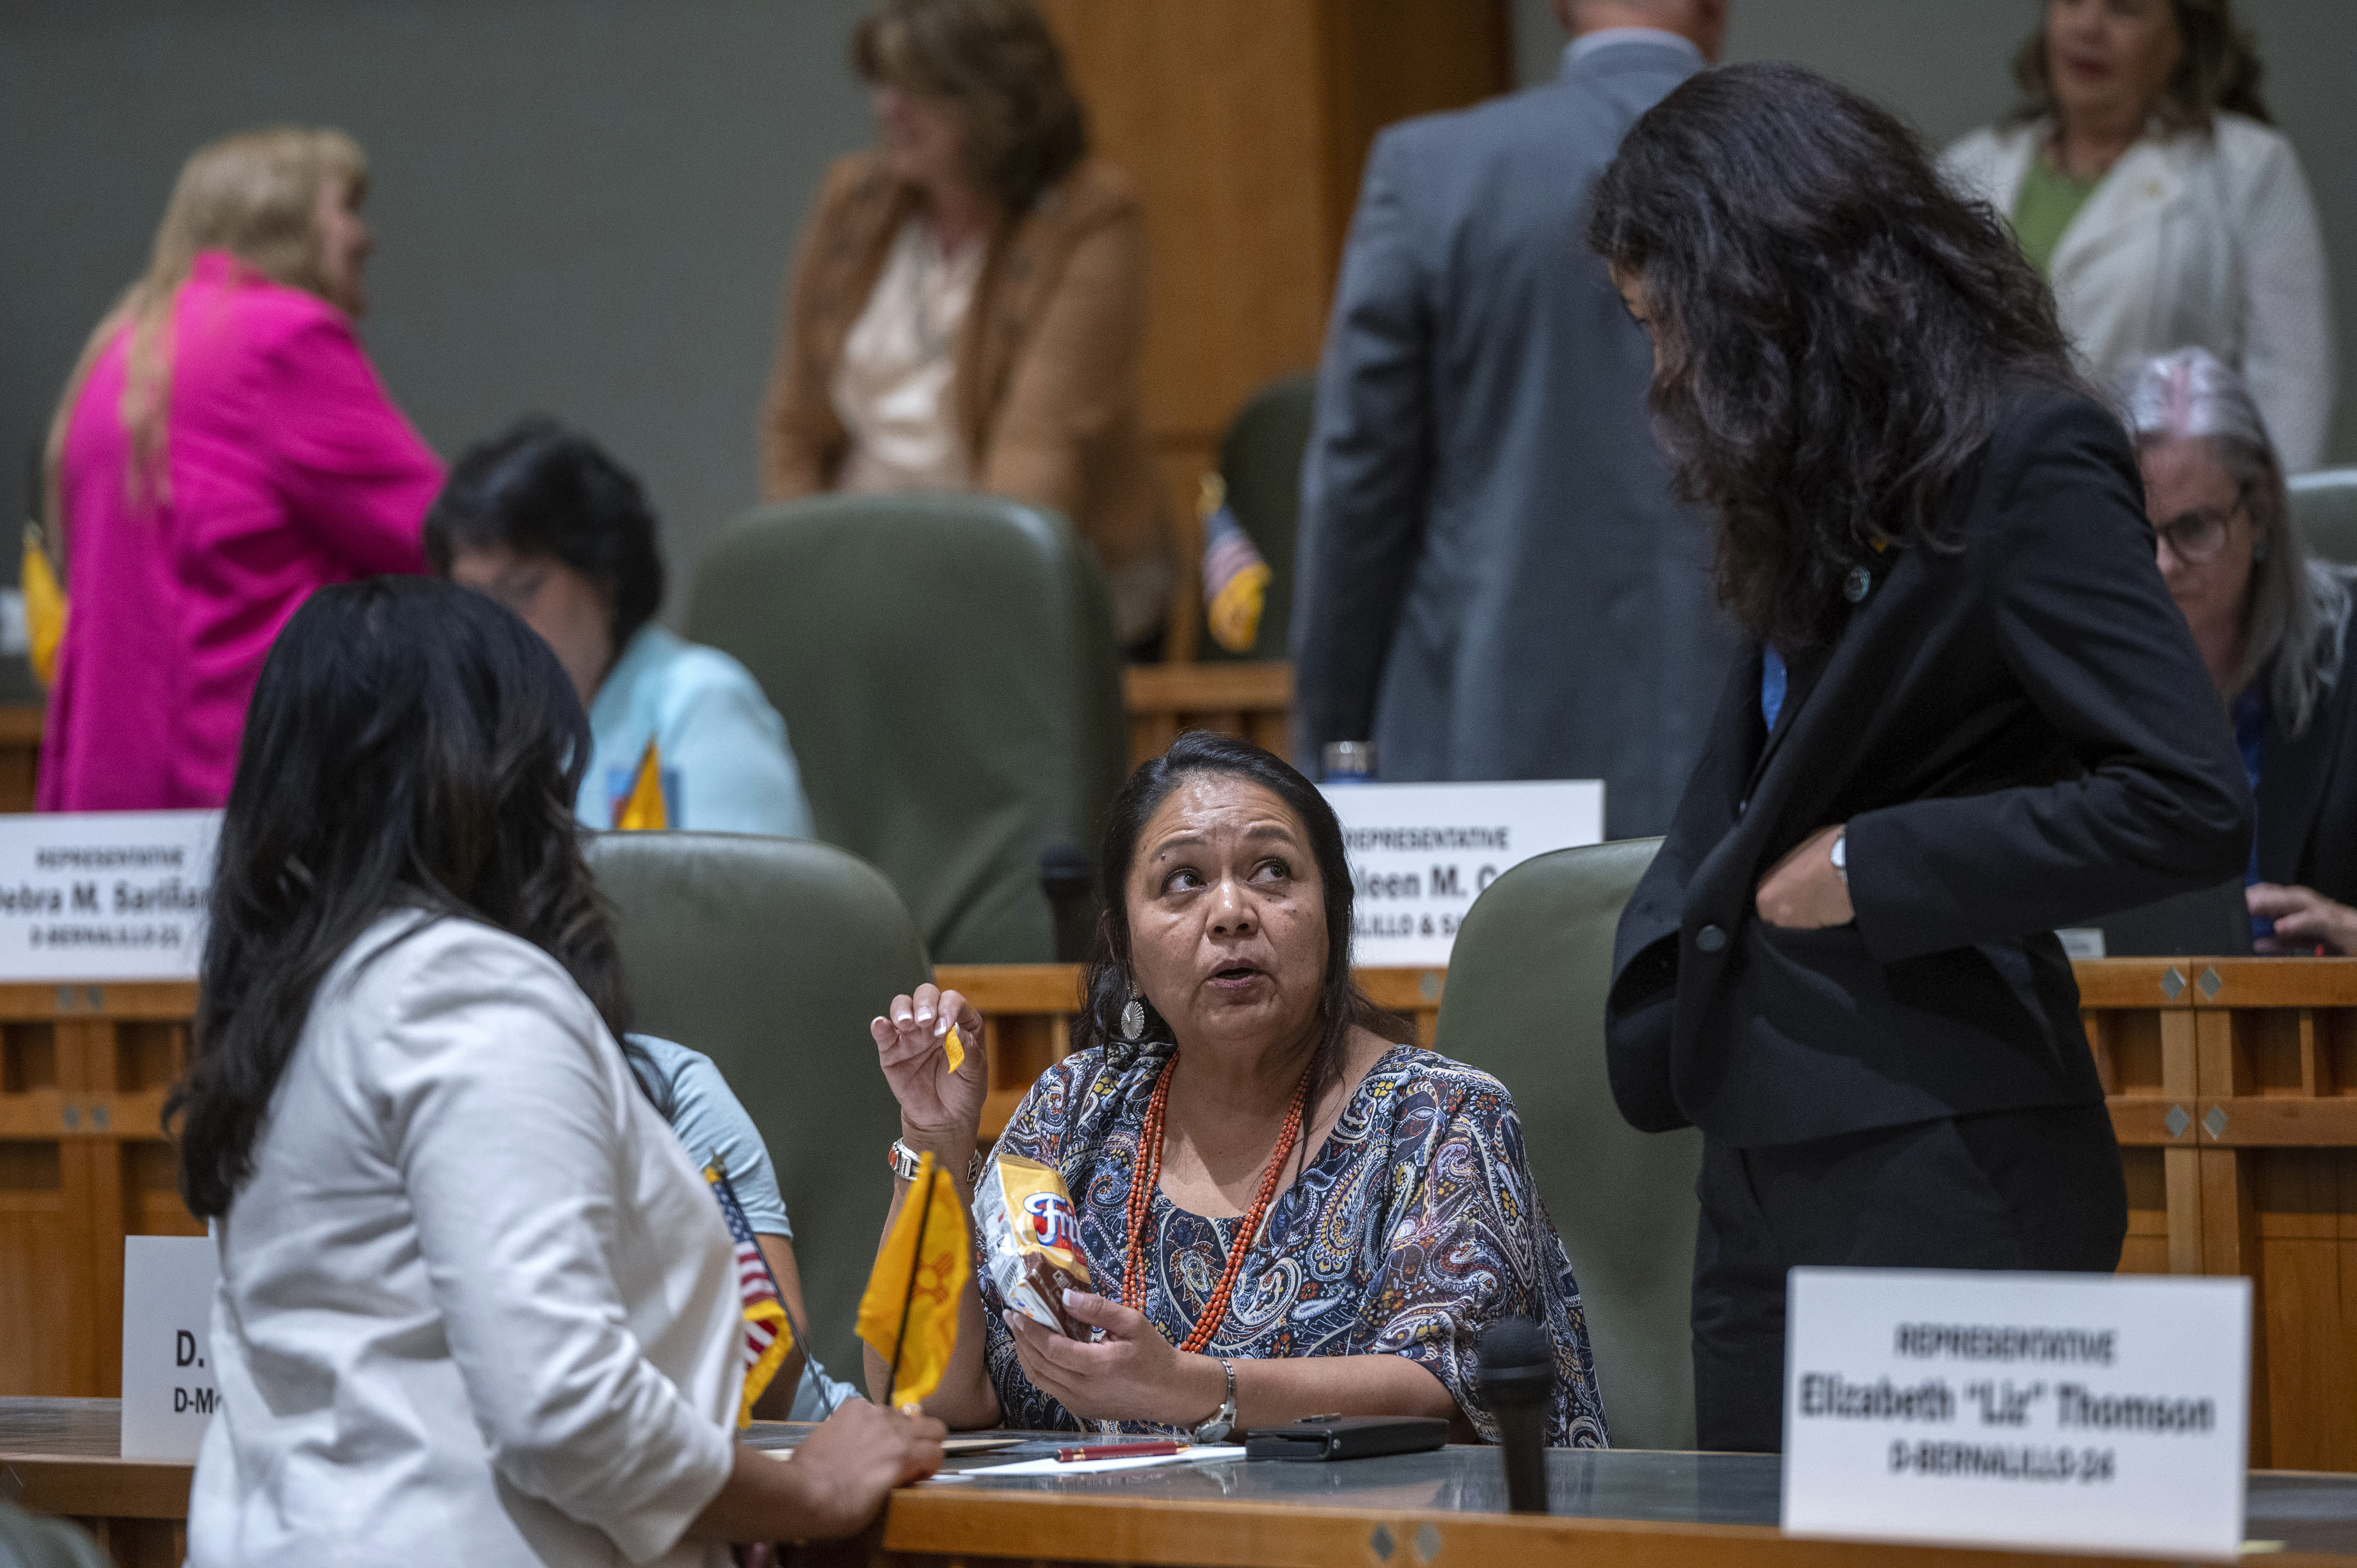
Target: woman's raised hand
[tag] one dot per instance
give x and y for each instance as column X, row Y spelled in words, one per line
column 940, row 1110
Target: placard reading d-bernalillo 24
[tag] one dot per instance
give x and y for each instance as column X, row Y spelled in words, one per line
column 104, row 895
column 2100, row 1411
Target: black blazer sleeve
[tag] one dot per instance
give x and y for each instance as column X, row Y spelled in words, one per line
column 2062, row 567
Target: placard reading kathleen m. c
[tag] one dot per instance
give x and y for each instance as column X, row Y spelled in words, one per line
column 1420, row 854
column 2087, row 1412
column 104, row 895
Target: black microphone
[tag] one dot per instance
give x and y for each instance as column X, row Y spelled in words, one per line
column 1517, row 1382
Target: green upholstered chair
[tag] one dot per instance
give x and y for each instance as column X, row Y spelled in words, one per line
column 769, row 956
column 2324, row 509
column 1260, row 463
column 950, row 683
column 1525, row 1003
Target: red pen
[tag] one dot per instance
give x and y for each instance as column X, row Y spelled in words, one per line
column 1119, row 1451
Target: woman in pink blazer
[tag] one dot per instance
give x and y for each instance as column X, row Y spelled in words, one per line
column 223, row 450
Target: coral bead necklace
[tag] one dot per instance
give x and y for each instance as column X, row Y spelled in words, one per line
column 1145, row 1176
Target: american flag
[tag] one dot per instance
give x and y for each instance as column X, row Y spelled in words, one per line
column 769, row 1332
column 1236, row 578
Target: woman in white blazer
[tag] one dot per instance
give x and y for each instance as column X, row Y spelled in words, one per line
column 476, row 1305
column 2141, row 176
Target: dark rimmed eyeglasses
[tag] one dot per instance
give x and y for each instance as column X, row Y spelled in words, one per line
column 2197, row 536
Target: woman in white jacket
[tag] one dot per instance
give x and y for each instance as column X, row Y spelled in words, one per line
column 2143, row 178
column 476, row 1304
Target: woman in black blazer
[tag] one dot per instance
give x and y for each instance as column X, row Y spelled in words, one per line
column 1971, row 715
column 2272, row 625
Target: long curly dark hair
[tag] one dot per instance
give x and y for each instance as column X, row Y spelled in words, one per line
column 1838, row 332
column 411, row 744
column 1341, row 1005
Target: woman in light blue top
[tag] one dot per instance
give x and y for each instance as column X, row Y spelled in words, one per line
column 707, row 1116
column 544, row 522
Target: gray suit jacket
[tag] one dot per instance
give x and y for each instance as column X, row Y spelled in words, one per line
column 1494, row 582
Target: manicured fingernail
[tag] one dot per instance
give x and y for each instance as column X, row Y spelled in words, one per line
column 941, row 1025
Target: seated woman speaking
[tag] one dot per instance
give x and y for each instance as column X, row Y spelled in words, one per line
column 1330, row 1217
column 476, row 1304
column 2272, row 624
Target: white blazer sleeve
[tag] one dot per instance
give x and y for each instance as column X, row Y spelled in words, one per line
column 2288, row 356
column 505, row 1120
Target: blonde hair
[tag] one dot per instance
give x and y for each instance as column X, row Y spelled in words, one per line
column 255, row 195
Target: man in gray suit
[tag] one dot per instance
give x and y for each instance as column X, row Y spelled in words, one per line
column 1494, row 582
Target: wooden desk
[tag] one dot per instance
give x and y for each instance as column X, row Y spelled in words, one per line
column 1419, row 1510
column 2233, row 1090
column 2232, row 1084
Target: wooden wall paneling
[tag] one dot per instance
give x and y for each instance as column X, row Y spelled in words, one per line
column 1212, row 107
column 1389, row 59
column 1245, row 123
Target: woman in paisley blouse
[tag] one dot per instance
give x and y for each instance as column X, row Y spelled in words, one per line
column 1332, row 1216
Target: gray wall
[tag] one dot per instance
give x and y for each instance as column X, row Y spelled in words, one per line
column 582, row 207
column 1946, row 65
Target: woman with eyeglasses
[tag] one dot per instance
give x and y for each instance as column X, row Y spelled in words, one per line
column 2272, row 624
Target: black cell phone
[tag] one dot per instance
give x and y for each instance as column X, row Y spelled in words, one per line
column 1346, row 1437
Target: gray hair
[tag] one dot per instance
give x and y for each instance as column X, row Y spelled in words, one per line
column 2296, row 616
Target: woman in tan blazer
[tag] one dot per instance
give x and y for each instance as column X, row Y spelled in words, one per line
column 967, row 305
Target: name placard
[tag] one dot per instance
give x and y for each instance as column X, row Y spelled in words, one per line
column 1420, row 854
column 104, row 895
column 168, row 1313
column 2090, row 1411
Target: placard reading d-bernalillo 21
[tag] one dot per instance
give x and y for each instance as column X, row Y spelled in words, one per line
column 104, row 895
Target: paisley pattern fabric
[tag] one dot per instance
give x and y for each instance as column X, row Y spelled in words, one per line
column 1415, row 1228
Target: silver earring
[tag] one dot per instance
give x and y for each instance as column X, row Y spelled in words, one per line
column 1133, row 1019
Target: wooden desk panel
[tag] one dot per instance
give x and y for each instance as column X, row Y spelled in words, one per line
column 84, row 1162
column 1430, row 1510
column 2233, row 1086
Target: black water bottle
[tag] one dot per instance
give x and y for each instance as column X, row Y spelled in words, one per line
column 1517, row 1382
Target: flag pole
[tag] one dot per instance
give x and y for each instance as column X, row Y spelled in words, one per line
column 916, row 1257
column 800, row 1342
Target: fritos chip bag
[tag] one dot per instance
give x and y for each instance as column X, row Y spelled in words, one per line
column 1031, row 1241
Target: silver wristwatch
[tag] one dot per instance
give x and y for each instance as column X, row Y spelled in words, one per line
column 1839, row 855
column 905, row 1161
column 1216, row 1430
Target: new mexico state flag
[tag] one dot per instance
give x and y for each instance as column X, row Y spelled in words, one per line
column 643, row 810
column 910, row 1312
